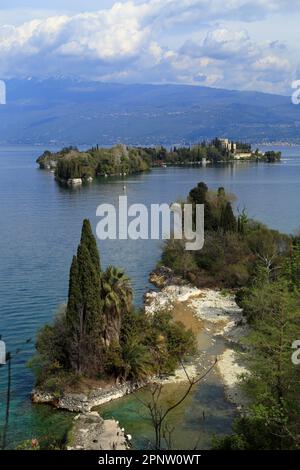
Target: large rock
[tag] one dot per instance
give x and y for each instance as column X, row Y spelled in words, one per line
column 163, row 276
column 91, row 432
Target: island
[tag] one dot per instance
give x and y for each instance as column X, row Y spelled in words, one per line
column 73, row 167
column 215, row 151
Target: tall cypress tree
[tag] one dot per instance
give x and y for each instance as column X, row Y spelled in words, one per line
column 84, row 313
column 88, row 239
column 221, row 192
column 228, row 221
column 89, row 287
column 198, row 194
column 74, row 295
column 74, row 317
column 210, row 222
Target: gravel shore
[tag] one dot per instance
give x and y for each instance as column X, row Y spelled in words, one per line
column 219, row 315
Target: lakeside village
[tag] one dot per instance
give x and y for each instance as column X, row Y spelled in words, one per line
column 73, row 167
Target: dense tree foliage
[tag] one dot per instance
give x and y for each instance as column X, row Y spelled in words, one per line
column 263, row 266
column 271, row 156
column 271, row 420
column 99, row 334
column 234, row 245
column 70, row 163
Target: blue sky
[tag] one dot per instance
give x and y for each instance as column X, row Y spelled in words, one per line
column 238, row 44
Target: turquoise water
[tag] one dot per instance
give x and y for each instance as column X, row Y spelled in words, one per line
column 204, row 413
column 40, row 226
column 192, row 429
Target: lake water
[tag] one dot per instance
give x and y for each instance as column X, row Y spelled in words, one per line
column 40, row 228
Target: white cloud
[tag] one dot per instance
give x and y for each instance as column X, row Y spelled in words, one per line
column 132, row 41
column 271, row 62
column 222, row 43
column 233, row 60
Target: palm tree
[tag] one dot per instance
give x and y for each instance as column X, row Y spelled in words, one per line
column 138, row 362
column 116, row 295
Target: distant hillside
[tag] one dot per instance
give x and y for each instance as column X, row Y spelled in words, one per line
column 63, row 111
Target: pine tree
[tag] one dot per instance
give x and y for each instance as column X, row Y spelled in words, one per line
column 291, row 269
column 242, row 222
column 274, row 379
column 272, row 384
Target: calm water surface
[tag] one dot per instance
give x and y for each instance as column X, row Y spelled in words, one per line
column 40, row 228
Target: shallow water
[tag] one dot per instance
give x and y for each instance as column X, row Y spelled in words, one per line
column 205, row 412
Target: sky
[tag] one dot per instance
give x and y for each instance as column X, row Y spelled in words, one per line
column 233, row 44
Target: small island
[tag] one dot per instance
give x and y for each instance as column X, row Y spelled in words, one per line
column 73, row 167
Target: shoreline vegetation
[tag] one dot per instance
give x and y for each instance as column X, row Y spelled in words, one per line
column 242, row 286
column 73, row 167
column 210, row 311
column 99, row 346
column 100, row 336
column 262, row 268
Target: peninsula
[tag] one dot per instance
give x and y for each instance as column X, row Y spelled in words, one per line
column 243, row 286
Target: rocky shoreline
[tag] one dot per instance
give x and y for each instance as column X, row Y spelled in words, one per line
column 85, row 402
column 91, row 432
column 81, row 402
column 219, row 315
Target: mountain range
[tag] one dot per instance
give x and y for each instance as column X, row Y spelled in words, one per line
column 67, row 111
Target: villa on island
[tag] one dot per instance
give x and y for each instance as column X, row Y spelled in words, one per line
column 233, row 148
column 228, row 145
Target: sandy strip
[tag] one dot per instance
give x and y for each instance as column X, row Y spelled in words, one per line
column 231, row 371
column 219, row 315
